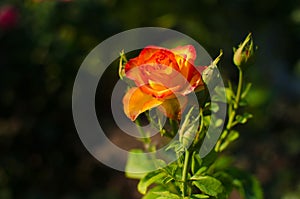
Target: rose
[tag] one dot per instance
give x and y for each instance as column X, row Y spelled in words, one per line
column 8, row 17
column 162, row 77
column 243, row 52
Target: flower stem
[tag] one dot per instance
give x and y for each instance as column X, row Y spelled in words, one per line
column 145, row 137
column 232, row 112
column 237, row 101
column 185, row 172
column 239, row 89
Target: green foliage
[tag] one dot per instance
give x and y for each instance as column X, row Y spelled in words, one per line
column 242, row 119
column 138, row 162
column 151, row 194
column 166, row 195
column 192, row 176
column 196, row 164
column 149, row 179
column 195, row 196
column 207, row 184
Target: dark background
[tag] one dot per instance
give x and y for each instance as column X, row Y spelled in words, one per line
column 43, row 43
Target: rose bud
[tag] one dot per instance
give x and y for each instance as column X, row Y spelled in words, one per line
column 244, row 51
column 210, row 73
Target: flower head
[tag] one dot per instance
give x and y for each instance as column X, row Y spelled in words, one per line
column 162, row 77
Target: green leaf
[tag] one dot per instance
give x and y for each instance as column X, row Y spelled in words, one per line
column 233, row 135
column 151, row 193
column 247, row 89
column 173, row 171
column 207, row 184
column 149, row 179
column 226, row 180
column 167, row 179
column 196, row 196
column 242, row 119
column 196, row 162
column 167, row 195
column 138, row 164
column 229, row 95
column 201, row 170
column 176, row 145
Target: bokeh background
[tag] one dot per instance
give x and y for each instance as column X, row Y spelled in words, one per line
column 43, row 43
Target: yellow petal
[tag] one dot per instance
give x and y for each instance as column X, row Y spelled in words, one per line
column 156, row 86
column 136, row 102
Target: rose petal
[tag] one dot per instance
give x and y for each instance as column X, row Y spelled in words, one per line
column 159, row 93
column 136, row 102
column 157, row 86
column 148, row 51
column 187, row 70
column 187, row 52
column 137, row 75
column 185, row 57
column 167, row 78
column 131, row 64
column 142, row 58
column 196, row 84
column 163, row 57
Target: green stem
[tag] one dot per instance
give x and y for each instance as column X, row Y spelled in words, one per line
column 145, row 137
column 232, row 111
column 172, row 126
column 239, row 89
column 185, row 172
column 237, row 101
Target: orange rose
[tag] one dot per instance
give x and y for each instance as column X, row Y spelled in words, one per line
column 162, row 77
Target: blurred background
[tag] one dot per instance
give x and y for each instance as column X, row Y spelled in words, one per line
column 43, row 43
